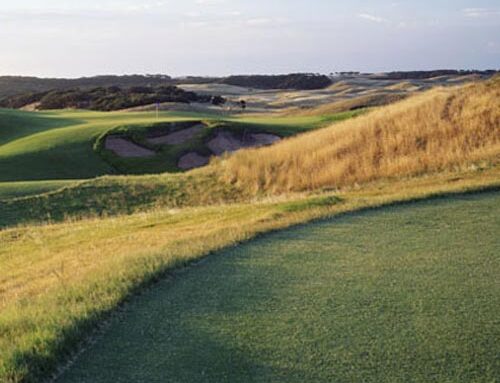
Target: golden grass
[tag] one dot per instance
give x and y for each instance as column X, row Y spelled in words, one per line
column 403, row 86
column 439, row 129
column 58, row 279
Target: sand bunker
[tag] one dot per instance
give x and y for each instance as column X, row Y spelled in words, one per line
column 176, row 138
column 192, row 160
column 125, row 148
column 228, row 142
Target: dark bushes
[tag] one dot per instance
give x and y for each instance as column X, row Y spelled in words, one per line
column 108, row 98
column 299, row 81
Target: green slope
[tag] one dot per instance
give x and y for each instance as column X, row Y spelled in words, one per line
column 59, row 144
column 64, row 150
column 15, row 124
column 399, row 294
column 27, row 188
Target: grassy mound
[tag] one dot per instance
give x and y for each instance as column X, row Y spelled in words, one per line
column 15, row 124
column 59, row 145
column 117, row 194
column 442, row 128
column 9, row 190
column 167, row 156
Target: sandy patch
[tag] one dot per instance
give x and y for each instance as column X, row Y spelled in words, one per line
column 228, row 142
column 192, row 160
column 224, row 142
column 125, row 148
column 176, row 138
column 31, row 107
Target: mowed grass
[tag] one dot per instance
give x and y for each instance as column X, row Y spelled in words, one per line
column 399, row 294
column 59, row 281
column 59, row 144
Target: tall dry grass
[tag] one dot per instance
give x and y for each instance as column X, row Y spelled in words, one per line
column 439, row 129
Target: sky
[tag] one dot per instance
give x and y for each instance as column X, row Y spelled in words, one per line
column 72, row 38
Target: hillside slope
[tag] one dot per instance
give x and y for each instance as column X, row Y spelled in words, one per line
column 439, row 129
column 60, row 144
column 60, row 280
column 13, row 85
column 455, row 131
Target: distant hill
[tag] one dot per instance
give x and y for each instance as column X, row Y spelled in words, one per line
column 298, row 81
column 422, row 75
column 106, row 98
column 15, row 85
column 20, row 85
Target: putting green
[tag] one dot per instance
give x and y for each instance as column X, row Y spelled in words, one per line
column 406, row 293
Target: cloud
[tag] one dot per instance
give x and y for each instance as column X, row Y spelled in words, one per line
column 373, row 18
column 480, row 12
column 125, row 7
column 209, row 2
column 493, row 47
column 259, row 21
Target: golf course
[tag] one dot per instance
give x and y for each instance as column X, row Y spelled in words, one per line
column 356, row 241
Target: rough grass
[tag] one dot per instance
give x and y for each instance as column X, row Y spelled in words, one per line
column 114, row 195
column 440, row 129
column 401, row 294
column 58, row 281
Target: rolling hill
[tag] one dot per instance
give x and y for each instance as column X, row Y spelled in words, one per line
column 442, row 130
column 400, row 282
column 60, row 144
column 438, row 129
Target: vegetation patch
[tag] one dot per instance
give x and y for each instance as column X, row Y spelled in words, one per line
column 9, row 190
column 287, row 81
column 107, row 98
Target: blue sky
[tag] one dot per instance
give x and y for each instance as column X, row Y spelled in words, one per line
column 216, row 37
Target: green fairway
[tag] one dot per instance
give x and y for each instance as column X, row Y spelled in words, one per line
column 406, row 293
column 60, row 144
